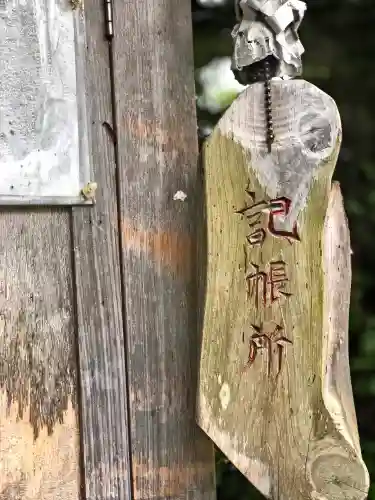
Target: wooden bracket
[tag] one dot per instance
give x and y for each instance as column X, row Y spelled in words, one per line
column 274, row 386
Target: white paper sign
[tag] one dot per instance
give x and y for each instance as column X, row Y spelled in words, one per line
column 44, row 144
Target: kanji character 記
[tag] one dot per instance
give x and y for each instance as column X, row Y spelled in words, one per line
column 255, row 215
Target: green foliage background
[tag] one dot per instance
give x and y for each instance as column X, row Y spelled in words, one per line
column 339, row 39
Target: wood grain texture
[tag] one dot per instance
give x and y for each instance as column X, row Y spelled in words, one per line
column 39, row 445
column 289, row 428
column 104, row 414
column 157, row 156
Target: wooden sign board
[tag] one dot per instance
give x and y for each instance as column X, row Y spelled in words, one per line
column 44, row 143
column 274, row 391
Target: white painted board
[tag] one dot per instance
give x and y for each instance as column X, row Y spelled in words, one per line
column 44, row 142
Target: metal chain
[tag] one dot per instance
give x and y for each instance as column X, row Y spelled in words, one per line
column 268, row 104
column 262, row 71
column 271, row 28
column 258, row 72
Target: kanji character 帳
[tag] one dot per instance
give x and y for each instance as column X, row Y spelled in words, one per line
column 267, row 287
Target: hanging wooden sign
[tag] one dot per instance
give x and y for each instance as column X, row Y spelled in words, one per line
column 274, row 387
column 44, row 142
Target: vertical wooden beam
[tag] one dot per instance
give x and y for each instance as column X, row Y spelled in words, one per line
column 157, row 157
column 39, row 445
column 104, row 421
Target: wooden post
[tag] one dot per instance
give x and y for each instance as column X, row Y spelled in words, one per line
column 157, row 158
column 39, row 440
column 98, row 305
column 102, row 367
column 275, row 392
column 60, row 292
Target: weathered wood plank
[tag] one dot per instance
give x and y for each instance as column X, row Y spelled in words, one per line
column 275, row 390
column 39, row 445
column 104, row 419
column 157, row 156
